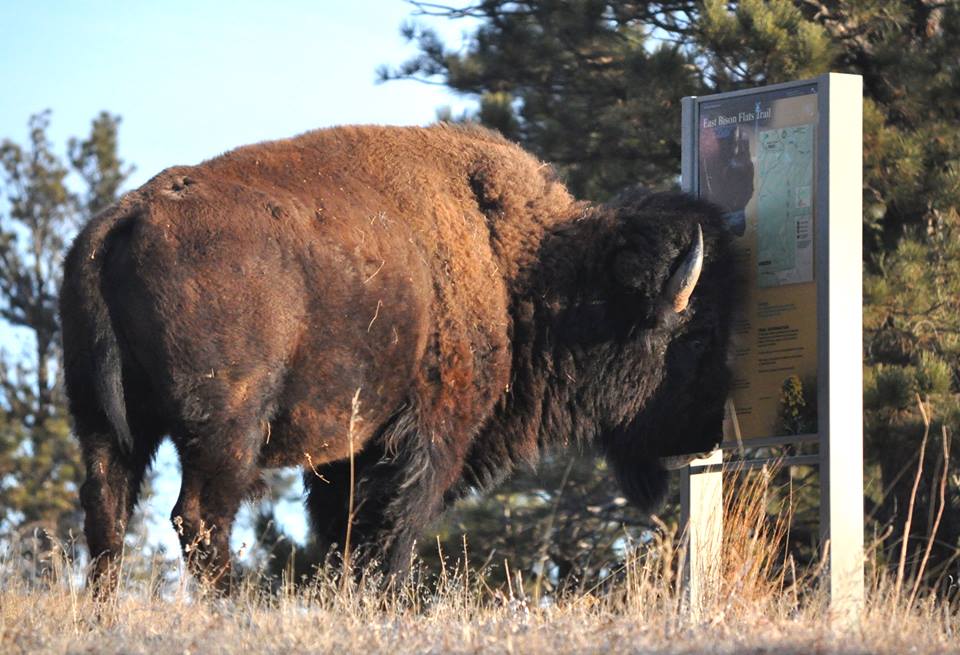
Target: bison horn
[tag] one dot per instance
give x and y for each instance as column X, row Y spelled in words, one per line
column 682, row 283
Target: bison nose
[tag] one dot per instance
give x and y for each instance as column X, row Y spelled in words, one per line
column 674, row 462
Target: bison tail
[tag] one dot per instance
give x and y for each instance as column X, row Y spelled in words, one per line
column 110, row 390
column 92, row 356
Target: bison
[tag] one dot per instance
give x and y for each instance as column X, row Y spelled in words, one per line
column 429, row 302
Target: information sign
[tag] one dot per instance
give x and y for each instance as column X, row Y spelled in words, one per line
column 784, row 163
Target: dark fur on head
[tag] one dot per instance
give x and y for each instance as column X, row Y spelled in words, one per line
column 600, row 356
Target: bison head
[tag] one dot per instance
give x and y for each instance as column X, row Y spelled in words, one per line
column 672, row 278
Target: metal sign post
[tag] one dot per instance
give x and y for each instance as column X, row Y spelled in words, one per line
column 785, row 164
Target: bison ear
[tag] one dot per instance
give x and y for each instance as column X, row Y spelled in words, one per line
column 681, row 284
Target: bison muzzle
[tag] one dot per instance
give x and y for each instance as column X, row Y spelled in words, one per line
column 429, row 300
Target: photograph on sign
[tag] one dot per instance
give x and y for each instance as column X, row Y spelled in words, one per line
column 757, row 159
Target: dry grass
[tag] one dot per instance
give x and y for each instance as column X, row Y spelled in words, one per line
column 762, row 604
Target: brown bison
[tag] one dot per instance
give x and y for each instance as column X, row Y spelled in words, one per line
column 431, row 298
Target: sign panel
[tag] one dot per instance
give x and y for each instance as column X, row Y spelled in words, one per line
column 756, row 157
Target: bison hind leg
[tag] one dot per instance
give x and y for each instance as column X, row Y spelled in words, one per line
column 220, row 470
column 108, row 497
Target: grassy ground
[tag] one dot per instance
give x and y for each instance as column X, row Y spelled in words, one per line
column 761, row 605
column 62, row 621
column 644, row 611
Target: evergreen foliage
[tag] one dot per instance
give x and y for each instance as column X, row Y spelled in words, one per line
column 40, row 469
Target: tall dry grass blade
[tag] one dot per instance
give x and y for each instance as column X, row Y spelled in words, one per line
column 548, row 532
column 444, row 581
column 354, row 420
column 752, row 542
column 908, row 523
column 931, row 537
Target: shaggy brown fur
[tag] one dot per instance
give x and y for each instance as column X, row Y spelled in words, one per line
column 481, row 312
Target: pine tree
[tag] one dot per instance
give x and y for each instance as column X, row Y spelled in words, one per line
column 594, row 87
column 40, row 468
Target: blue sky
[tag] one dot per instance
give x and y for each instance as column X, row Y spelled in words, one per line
column 194, row 79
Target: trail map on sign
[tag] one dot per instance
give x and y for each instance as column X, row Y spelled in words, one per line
column 757, row 160
column 784, row 206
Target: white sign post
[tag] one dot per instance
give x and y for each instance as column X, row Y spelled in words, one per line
column 785, row 163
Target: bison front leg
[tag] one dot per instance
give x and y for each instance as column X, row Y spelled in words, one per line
column 415, row 490
column 394, row 498
column 215, row 483
column 376, row 480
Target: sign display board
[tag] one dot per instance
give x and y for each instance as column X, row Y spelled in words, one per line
column 756, row 158
column 784, row 163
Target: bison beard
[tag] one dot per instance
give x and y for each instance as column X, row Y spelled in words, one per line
column 482, row 313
